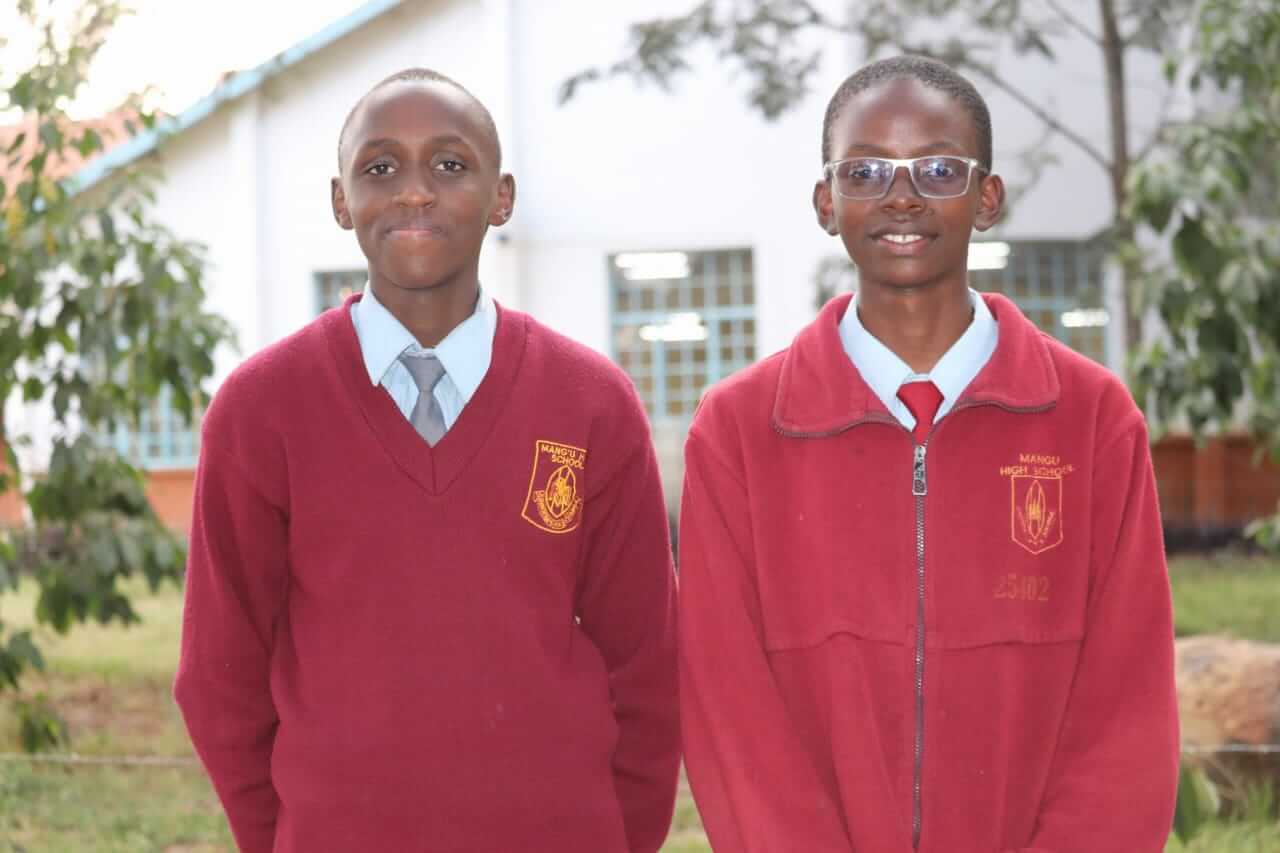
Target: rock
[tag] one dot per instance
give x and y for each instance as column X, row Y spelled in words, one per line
column 1229, row 696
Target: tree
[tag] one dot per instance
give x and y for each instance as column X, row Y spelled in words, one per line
column 771, row 42
column 100, row 309
column 1208, row 192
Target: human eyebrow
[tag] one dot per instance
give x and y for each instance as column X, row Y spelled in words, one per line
column 942, row 146
column 449, row 139
column 372, row 146
column 945, row 146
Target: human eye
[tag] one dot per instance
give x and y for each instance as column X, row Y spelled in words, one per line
column 379, row 169
column 940, row 167
column 861, row 171
column 451, row 165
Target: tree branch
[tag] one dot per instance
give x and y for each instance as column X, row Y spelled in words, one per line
column 1023, row 99
column 1073, row 22
column 1045, row 116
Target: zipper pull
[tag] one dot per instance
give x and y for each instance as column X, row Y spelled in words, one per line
column 919, row 483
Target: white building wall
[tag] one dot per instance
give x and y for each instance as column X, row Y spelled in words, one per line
column 622, row 167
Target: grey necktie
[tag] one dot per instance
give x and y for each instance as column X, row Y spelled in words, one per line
column 427, row 418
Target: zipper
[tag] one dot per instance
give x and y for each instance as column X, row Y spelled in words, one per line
column 919, row 488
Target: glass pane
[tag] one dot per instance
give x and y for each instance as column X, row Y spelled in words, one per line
column 717, row 288
column 671, row 296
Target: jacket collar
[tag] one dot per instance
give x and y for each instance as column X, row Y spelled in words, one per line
column 820, row 392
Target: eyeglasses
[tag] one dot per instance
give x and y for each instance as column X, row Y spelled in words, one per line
column 866, row 178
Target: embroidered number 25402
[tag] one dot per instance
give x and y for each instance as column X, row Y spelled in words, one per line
column 1022, row 587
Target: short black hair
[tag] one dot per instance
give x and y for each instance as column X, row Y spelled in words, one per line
column 930, row 72
column 427, row 75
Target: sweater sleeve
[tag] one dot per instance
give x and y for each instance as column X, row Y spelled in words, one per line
column 1113, row 782
column 627, row 606
column 235, row 584
column 756, row 789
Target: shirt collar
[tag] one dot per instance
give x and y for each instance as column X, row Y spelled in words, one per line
column 885, row 372
column 465, row 352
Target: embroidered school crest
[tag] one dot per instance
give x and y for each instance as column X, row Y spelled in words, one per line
column 1036, row 514
column 554, row 502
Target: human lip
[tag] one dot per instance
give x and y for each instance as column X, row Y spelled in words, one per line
column 416, row 228
column 902, row 242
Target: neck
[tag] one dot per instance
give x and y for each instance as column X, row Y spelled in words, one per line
column 920, row 324
column 429, row 313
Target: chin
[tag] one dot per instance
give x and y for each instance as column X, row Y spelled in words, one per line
column 418, row 283
column 417, row 276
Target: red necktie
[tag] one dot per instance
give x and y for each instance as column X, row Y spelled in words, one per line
column 922, row 400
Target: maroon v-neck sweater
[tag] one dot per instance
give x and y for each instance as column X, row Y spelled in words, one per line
column 468, row 647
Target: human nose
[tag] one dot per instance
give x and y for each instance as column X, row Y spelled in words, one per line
column 902, row 192
column 416, row 190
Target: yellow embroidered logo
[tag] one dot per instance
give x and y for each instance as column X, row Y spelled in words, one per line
column 1037, row 512
column 554, row 503
column 1036, row 500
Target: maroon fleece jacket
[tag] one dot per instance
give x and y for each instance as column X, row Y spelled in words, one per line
column 1031, row 709
column 468, row 647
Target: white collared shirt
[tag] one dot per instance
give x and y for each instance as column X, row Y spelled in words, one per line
column 885, row 372
column 465, row 354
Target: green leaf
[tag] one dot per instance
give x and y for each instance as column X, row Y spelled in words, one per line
column 1195, row 253
column 107, row 225
column 89, row 143
column 32, row 389
column 51, row 135
column 10, row 457
column 131, row 556
column 40, row 727
column 24, row 649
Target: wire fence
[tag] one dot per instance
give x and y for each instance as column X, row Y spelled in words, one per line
column 74, row 760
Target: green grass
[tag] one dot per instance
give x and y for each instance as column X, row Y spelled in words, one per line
column 1227, row 594
column 112, row 685
column 1235, row 837
column 51, row 809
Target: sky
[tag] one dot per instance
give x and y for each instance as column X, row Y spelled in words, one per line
column 179, row 46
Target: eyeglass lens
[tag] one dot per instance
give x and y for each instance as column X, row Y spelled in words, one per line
column 871, row 177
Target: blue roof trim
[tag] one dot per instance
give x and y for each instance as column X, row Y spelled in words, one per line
column 239, row 84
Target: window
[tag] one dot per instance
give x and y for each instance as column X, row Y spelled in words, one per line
column 333, row 288
column 163, row 439
column 1056, row 283
column 681, row 321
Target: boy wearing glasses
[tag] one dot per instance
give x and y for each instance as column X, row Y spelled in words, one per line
column 923, row 591
column 430, row 601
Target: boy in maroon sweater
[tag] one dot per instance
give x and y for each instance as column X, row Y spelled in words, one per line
column 430, row 601
column 924, row 602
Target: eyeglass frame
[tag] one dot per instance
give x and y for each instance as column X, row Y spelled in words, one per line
column 974, row 164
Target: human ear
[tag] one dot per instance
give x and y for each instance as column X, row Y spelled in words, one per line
column 823, row 206
column 338, row 198
column 990, row 202
column 506, row 200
